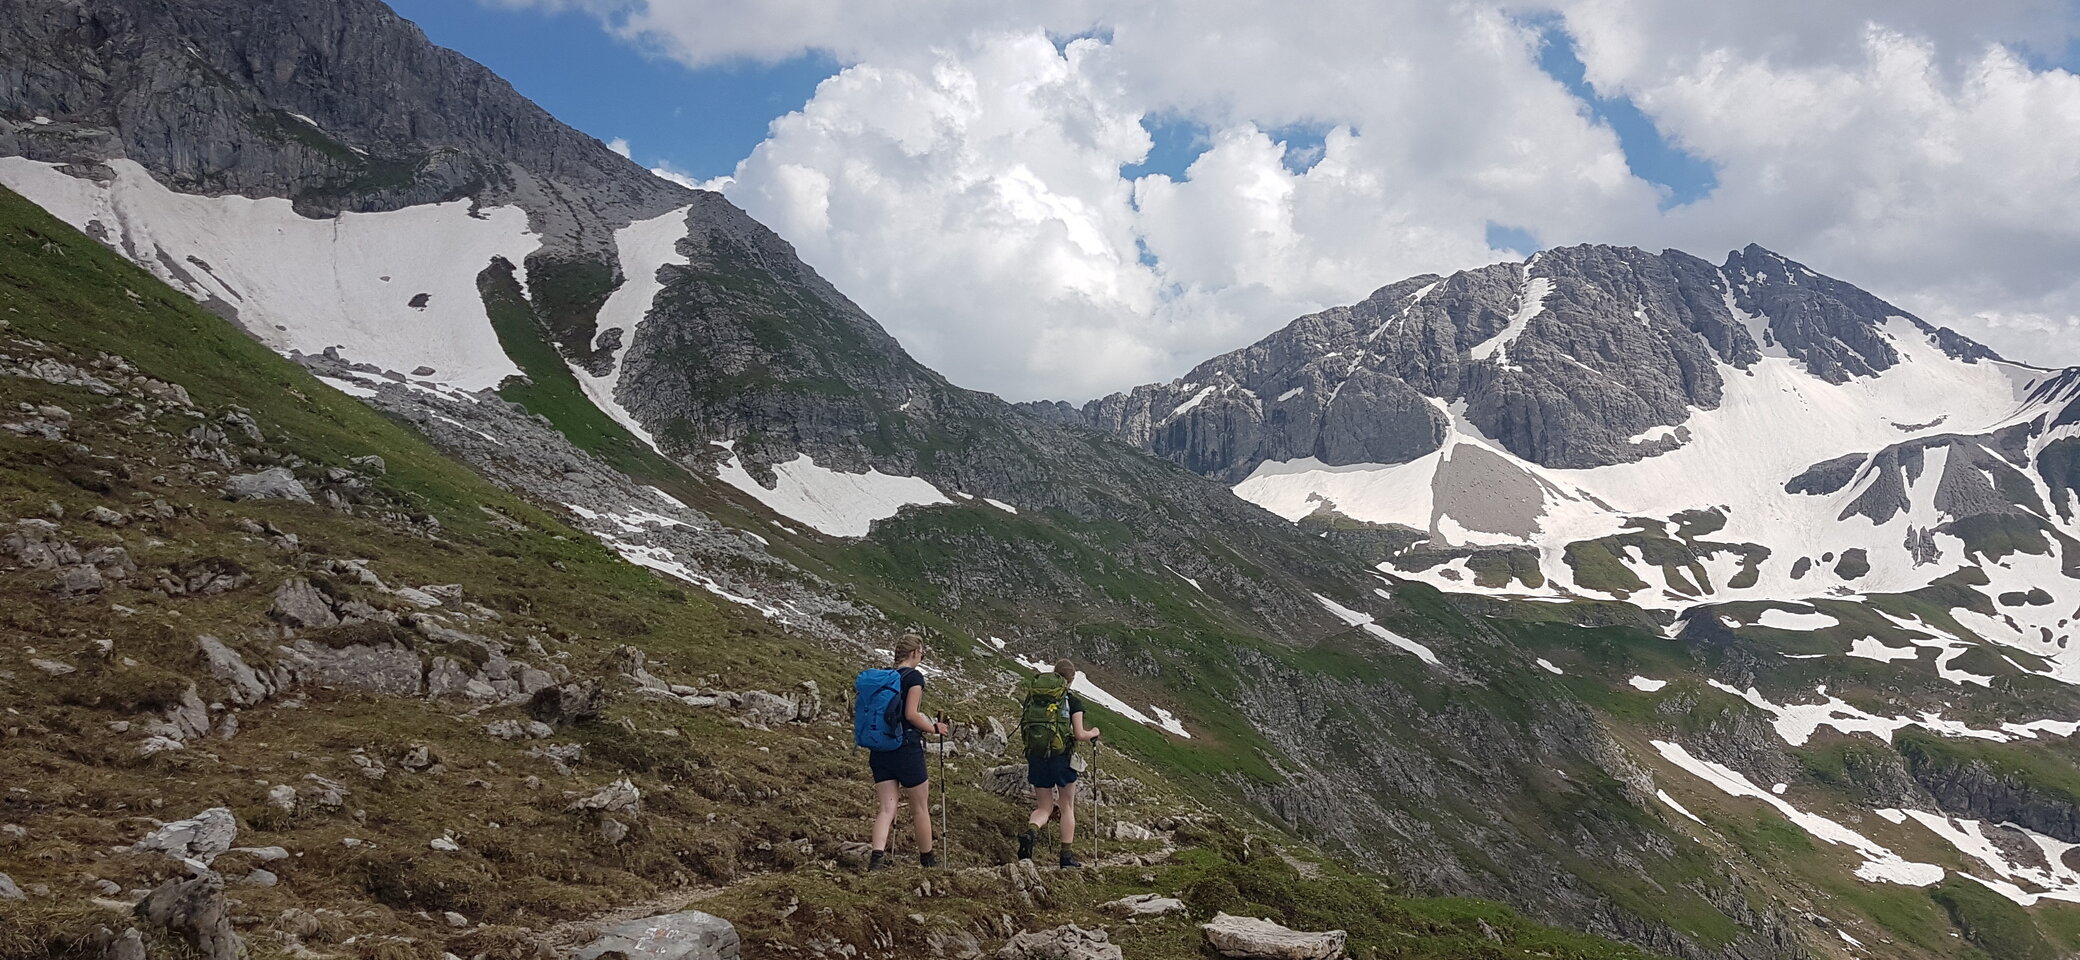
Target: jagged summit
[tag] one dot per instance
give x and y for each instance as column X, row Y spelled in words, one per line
column 1561, row 359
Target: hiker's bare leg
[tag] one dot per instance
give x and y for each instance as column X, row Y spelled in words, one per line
column 920, row 797
column 1068, row 807
column 1043, row 807
column 885, row 818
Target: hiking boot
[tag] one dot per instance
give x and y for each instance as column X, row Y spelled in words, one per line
column 878, row 860
column 1069, row 860
column 927, row 859
column 1026, row 841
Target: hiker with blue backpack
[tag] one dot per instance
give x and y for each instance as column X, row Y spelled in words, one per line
column 1050, row 722
column 888, row 720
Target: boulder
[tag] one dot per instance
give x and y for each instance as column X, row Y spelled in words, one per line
column 202, row 837
column 37, row 544
column 246, row 686
column 808, row 700
column 330, row 794
column 691, row 935
column 768, row 709
column 446, row 678
column 273, row 483
column 1122, row 830
column 78, row 581
column 1143, row 905
column 621, row 796
column 1066, row 942
column 518, row 730
column 394, row 671
column 107, row 944
column 576, row 701
column 299, row 604
column 9, row 890
column 194, row 911
column 631, row 662
column 1248, row 938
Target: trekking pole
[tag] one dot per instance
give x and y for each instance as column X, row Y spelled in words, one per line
column 945, row 790
column 1097, row 804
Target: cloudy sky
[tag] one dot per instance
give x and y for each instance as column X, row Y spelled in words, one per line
column 1064, row 199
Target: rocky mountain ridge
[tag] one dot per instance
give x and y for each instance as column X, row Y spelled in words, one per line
column 1564, row 360
column 669, row 381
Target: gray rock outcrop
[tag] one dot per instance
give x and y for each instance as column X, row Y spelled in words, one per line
column 195, row 911
column 1066, row 942
column 273, row 483
column 1563, row 360
column 202, row 838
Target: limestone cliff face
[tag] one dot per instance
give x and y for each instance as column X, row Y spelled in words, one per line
column 1563, row 360
column 336, row 104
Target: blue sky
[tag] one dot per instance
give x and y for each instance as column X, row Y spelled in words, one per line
column 698, row 122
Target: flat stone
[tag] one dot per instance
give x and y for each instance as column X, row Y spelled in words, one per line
column 204, row 836
column 1248, row 938
column 1143, row 905
column 274, row 483
column 691, row 935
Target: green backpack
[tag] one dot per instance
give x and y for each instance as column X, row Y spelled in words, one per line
column 1043, row 720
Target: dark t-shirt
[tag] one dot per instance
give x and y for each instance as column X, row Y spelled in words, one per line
column 912, row 678
column 1075, row 710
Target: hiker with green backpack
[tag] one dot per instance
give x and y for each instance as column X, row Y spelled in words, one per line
column 1050, row 722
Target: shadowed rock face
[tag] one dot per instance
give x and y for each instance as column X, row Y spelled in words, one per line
column 336, row 104
column 1563, row 360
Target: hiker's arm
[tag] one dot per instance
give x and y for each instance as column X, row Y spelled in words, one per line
column 1082, row 732
column 917, row 719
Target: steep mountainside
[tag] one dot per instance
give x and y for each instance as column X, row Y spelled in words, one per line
column 660, row 372
column 300, row 686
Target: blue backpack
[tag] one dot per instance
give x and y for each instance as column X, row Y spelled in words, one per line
column 877, row 709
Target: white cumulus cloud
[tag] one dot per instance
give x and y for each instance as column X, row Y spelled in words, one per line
column 972, row 176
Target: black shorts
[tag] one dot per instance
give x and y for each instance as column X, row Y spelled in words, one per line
column 905, row 764
column 1046, row 772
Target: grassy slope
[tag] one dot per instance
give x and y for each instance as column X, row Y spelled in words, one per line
column 753, row 810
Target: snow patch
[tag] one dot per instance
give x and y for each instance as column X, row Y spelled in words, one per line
column 1673, row 805
column 301, row 284
column 1365, row 622
column 1091, row 691
column 1879, row 863
column 1780, row 619
column 645, row 248
column 1646, row 684
column 1547, row 666
column 1530, row 303
column 829, row 501
column 1188, row 405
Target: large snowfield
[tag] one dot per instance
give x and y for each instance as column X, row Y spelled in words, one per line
column 397, row 290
